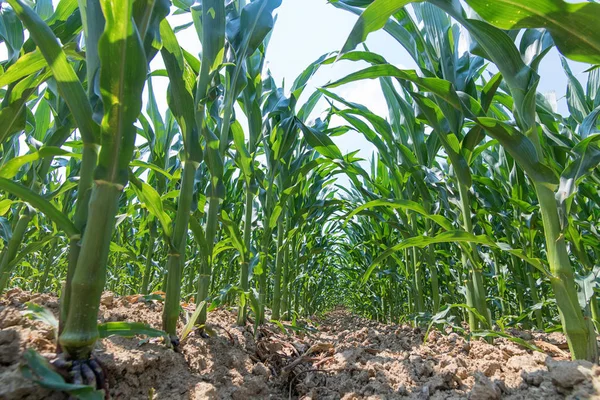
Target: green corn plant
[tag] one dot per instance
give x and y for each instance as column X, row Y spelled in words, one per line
column 123, row 64
column 526, row 149
column 251, row 24
column 250, row 101
column 80, row 330
column 182, row 103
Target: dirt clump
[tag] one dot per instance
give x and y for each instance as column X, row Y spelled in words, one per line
column 347, row 357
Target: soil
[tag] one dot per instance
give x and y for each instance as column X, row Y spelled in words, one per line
column 346, row 357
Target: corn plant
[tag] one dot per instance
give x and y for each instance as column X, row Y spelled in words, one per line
column 521, row 142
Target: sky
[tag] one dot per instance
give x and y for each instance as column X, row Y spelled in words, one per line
column 307, row 29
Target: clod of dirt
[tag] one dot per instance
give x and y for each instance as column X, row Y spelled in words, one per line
column 484, row 389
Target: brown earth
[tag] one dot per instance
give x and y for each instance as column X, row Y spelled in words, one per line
column 348, row 357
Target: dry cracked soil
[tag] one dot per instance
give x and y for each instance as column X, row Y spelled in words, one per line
column 345, row 357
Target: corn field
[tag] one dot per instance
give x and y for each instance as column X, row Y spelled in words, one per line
column 478, row 210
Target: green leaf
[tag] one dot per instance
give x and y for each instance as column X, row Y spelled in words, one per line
column 68, row 84
column 234, row 234
column 40, row 203
column 404, row 205
column 31, row 63
column 5, row 205
column 11, row 33
column 517, row 144
column 13, row 115
column 319, row 141
column 521, row 149
column 151, row 199
column 180, row 93
column 213, row 45
column 31, row 247
column 575, row 27
column 590, row 124
column 576, row 99
column 450, row 237
column 40, row 313
column 374, row 17
column 441, row 87
column 199, row 234
column 587, row 154
column 143, row 164
column 189, row 326
column 128, row 329
column 514, row 339
column 587, row 285
column 239, row 139
column 11, row 168
column 440, row 317
column 255, row 23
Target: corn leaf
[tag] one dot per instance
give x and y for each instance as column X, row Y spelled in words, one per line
column 128, row 329
column 575, row 27
column 151, row 199
column 41, row 204
column 68, row 84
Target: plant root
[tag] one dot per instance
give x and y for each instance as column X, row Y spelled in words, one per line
column 82, row 372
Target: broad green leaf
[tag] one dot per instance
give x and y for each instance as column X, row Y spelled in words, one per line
column 5, row 205
column 242, row 151
column 438, row 86
column 148, row 15
column 31, row 247
column 68, row 84
column 115, row 248
column 590, row 124
column 575, row 27
column 142, row 164
column 11, row 32
column 199, row 235
column 180, row 93
column 405, row 205
column 128, row 329
column 587, row 285
column 13, row 115
column 11, row 168
column 213, row 44
column 31, row 63
column 449, row 237
column 151, row 199
column 514, row 339
column 374, row 17
column 319, row 141
column 516, row 143
column 249, row 31
column 40, row 203
column 576, row 99
column 234, row 234
column 587, row 153
column 521, row 149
